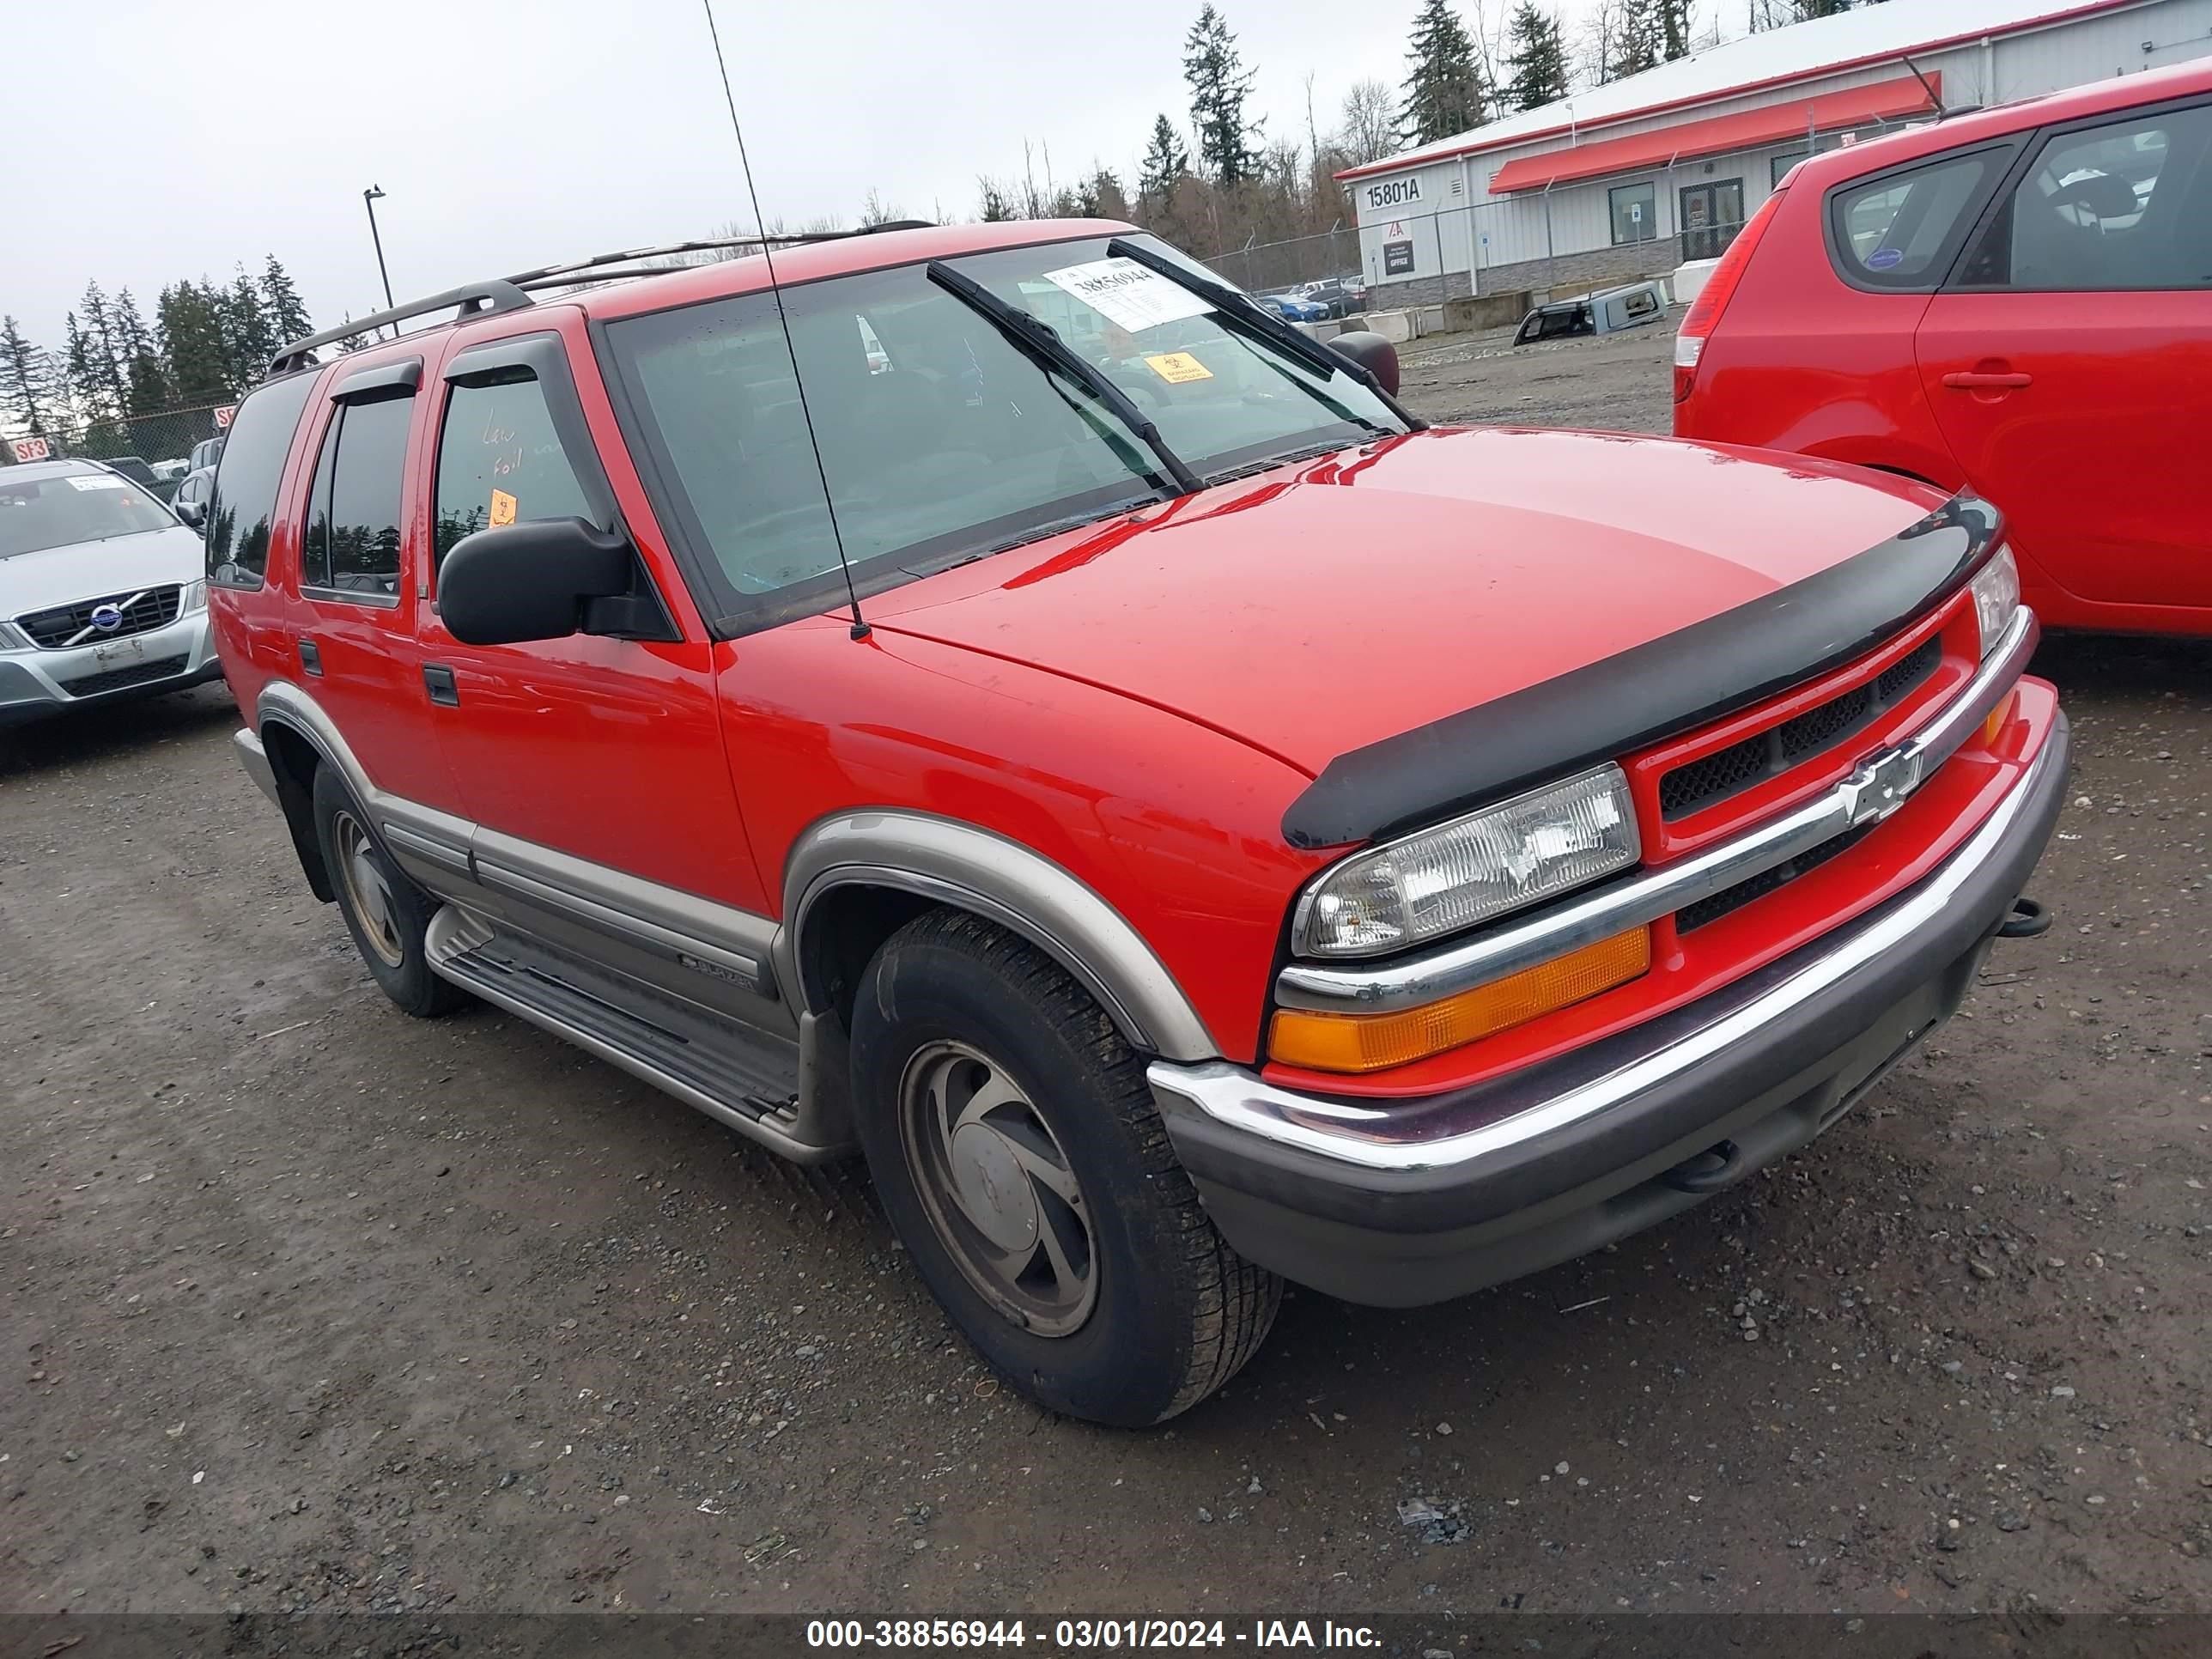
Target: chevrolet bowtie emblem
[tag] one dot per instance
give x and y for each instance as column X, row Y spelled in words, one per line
column 1880, row 785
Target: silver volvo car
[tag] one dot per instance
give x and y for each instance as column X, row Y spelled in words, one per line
column 102, row 592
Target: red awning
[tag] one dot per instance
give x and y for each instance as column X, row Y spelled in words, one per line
column 1770, row 124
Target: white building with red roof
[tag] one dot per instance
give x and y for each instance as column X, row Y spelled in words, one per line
column 1635, row 176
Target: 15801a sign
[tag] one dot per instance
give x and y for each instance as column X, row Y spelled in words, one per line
column 1393, row 193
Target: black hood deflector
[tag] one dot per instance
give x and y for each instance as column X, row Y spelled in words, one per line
column 1653, row 690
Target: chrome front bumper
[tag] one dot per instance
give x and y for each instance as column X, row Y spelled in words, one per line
column 165, row 659
column 1399, row 1202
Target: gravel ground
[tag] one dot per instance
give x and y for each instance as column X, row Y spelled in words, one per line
column 307, row 1306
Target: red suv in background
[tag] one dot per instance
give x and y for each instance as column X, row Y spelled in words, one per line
column 1187, row 821
column 2017, row 302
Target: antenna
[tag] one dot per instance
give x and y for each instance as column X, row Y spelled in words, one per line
column 860, row 626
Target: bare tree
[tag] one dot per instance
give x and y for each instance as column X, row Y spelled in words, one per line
column 1367, row 128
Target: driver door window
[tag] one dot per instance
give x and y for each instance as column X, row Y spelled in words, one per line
column 499, row 462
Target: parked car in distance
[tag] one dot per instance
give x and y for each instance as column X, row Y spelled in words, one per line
column 102, row 596
column 1294, row 308
column 131, row 467
column 1339, row 296
column 2016, row 301
column 1157, row 811
column 204, row 454
column 190, row 502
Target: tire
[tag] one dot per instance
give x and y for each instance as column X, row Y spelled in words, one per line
column 1144, row 1310
column 385, row 913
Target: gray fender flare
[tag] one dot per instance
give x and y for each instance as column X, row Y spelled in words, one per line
column 1013, row 885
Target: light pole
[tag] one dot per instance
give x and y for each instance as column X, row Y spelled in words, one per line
column 369, row 198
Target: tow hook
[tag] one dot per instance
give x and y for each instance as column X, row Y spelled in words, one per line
column 2028, row 920
column 1709, row 1171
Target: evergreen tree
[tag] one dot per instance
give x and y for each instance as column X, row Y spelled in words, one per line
column 288, row 313
column 28, row 394
column 1674, row 21
column 1228, row 145
column 247, row 347
column 1102, row 191
column 1538, row 58
column 1164, row 162
column 96, row 355
column 995, row 208
column 190, row 329
column 145, row 378
column 86, row 374
column 1638, row 38
column 1444, row 95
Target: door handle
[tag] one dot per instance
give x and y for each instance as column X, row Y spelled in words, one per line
column 1976, row 380
column 439, row 680
column 311, row 657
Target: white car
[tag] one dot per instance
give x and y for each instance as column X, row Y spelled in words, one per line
column 102, row 593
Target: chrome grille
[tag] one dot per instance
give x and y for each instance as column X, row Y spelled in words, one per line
column 143, row 610
column 1702, row 783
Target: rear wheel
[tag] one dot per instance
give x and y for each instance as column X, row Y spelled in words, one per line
column 1016, row 1151
column 387, row 914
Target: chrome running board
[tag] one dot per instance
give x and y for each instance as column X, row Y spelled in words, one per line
column 747, row 1079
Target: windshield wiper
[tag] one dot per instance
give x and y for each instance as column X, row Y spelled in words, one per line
column 1248, row 317
column 1043, row 346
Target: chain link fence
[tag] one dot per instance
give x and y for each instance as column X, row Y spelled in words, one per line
column 1262, row 267
column 162, row 440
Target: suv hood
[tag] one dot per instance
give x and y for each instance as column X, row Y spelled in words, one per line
column 90, row 570
column 1323, row 607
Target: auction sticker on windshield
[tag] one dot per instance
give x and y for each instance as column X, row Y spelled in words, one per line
column 1127, row 294
column 97, row 481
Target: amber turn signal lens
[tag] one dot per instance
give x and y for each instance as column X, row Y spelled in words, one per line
column 1374, row 1043
column 1998, row 716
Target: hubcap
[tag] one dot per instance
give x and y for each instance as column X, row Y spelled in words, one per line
column 368, row 893
column 998, row 1188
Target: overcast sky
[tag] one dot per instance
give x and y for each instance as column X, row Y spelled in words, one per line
column 150, row 140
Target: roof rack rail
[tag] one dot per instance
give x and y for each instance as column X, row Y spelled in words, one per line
column 472, row 298
column 500, row 294
column 548, row 275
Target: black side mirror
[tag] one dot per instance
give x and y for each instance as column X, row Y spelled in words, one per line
column 191, row 512
column 530, row 582
column 1372, row 353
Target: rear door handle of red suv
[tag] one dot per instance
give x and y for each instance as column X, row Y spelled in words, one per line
column 1976, row 380
column 438, row 680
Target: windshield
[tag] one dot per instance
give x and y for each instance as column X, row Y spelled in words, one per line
column 37, row 514
column 940, row 439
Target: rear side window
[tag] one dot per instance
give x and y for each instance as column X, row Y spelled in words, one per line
column 499, row 462
column 244, row 504
column 351, row 550
column 2124, row 205
column 1901, row 229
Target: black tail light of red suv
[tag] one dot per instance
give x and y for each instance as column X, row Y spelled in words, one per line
column 1713, row 299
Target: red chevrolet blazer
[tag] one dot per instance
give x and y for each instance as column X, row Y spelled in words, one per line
column 2016, row 301
column 996, row 698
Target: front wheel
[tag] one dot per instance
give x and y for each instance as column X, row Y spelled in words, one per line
column 1017, row 1152
column 387, row 914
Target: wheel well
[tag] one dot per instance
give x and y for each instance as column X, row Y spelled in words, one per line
column 293, row 760
column 845, row 928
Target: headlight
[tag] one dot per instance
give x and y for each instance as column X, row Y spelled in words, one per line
column 1504, row 857
column 1996, row 597
column 195, row 598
